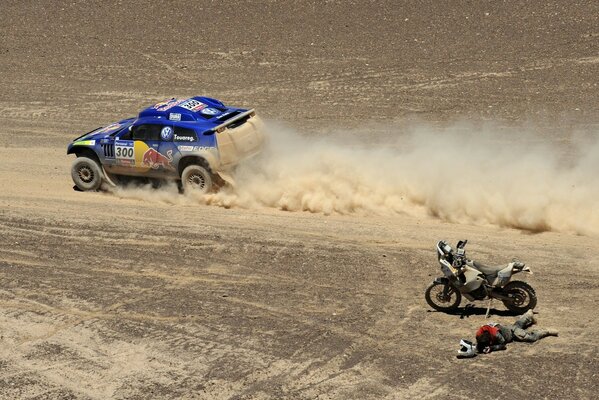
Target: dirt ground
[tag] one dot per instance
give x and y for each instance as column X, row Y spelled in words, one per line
column 105, row 296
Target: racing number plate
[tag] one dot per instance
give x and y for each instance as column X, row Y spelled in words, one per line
column 124, row 153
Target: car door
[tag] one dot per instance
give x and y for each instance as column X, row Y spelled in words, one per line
column 123, row 153
column 117, row 150
column 149, row 160
column 168, row 150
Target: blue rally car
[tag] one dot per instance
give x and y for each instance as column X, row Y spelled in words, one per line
column 197, row 140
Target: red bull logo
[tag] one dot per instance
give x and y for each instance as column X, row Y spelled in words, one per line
column 154, row 159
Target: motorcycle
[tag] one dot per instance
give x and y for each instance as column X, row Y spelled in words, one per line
column 475, row 281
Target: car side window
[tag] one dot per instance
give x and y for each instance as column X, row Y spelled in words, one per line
column 184, row 135
column 126, row 135
column 146, row 132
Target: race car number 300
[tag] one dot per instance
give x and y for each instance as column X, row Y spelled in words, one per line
column 124, row 151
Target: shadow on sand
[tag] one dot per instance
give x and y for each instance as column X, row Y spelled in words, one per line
column 470, row 309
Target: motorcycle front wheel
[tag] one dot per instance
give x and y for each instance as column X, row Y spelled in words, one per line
column 522, row 297
column 442, row 297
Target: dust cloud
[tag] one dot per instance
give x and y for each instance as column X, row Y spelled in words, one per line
column 167, row 193
column 462, row 174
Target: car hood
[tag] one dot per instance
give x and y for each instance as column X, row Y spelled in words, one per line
column 106, row 131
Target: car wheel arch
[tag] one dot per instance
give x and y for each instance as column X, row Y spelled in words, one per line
column 193, row 160
column 85, row 152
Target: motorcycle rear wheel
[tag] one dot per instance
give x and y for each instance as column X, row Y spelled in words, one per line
column 436, row 299
column 523, row 297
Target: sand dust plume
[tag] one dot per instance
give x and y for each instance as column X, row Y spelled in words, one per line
column 462, row 174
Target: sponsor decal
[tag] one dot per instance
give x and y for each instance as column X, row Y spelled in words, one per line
column 109, row 128
column 167, row 104
column 210, row 111
column 162, row 103
column 200, row 148
column 174, row 117
column 85, row 143
column 166, row 133
column 139, row 148
column 179, row 138
column 193, row 105
column 185, row 148
column 154, row 159
column 124, row 151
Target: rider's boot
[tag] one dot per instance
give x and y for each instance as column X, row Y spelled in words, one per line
column 531, row 316
column 547, row 332
column 552, row 332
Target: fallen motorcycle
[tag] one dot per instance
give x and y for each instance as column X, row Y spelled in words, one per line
column 468, row 278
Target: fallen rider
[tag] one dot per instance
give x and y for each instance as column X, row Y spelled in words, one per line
column 494, row 337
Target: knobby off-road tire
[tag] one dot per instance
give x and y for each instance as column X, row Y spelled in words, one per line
column 86, row 174
column 196, row 179
column 434, row 297
column 523, row 297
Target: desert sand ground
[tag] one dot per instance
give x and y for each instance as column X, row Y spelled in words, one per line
column 148, row 294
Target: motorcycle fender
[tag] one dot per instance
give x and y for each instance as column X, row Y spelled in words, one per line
column 525, row 269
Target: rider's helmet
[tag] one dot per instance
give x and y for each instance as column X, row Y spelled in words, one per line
column 467, row 349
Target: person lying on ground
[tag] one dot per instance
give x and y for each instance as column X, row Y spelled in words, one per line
column 493, row 337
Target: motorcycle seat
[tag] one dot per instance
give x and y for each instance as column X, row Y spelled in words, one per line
column 489, row 271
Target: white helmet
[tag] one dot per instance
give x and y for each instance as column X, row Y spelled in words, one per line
column 467, row 349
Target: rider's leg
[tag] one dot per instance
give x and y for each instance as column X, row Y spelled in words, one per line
column 527, row 319
column 533, row 335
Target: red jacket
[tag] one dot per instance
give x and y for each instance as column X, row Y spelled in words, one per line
column 497, row 338
column 493, row 331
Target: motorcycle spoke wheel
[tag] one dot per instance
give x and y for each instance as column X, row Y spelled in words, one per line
column 522, row 297
column 442, row 300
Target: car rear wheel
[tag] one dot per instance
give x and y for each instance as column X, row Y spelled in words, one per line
column 196, row 179
column 86, row 174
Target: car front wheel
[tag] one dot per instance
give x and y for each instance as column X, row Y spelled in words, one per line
column 196, row 179
column 86, row 174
